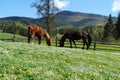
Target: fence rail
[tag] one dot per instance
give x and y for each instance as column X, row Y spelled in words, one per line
column 13, row 39
column 94, row 45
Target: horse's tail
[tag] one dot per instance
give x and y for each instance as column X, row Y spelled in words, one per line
column 89, row 39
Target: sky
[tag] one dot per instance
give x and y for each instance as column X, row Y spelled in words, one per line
column 23, row 8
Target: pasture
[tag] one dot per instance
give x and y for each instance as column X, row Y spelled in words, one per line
column 9, row 36
column 22, row 61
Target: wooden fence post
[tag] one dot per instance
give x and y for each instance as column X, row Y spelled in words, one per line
column 14, row 38
column 94, row 46
column 2, row 39
column 56, row 41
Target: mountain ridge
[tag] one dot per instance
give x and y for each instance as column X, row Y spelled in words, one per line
column 66, row 18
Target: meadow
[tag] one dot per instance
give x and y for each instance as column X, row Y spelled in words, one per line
column 22, row 61
column 9, row 36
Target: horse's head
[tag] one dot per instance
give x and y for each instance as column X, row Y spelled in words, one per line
column 61, row 43
column 49, row 41
column 62, row 40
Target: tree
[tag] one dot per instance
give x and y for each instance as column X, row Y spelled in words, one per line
column 46, row 9
column 118, row 27
column 109, row 29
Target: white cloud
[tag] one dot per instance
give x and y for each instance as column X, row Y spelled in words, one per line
column 116, row 5
column 60, row 4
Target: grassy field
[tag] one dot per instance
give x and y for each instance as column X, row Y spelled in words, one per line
column 9, row 36
column 22, row 61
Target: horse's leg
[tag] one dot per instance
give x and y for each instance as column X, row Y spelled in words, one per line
column 39, row 40
column 87, row 45
column 32, row 38
column 74, row 43
column 29, row 38
column 70, row 43
column 84, row 42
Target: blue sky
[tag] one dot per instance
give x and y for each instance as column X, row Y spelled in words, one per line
column 23, row 7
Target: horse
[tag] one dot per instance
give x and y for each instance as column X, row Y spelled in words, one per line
column 34, row 30
column 76, row 35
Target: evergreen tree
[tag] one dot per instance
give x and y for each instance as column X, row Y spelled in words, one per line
column 118, row 27
column 109, row 29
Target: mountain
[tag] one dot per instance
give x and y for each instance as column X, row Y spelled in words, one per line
column 78, row 19
column 24, row 20
column 67, row 18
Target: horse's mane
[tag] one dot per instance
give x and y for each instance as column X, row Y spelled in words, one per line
column 35, row 28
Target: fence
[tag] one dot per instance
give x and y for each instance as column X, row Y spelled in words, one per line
column 94, row 45
column 13, row 39
column 4, row 39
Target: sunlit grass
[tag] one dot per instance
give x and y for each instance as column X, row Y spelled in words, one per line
column 9, row 36
column 22, row 61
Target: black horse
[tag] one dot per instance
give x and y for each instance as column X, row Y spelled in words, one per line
column 76, row 35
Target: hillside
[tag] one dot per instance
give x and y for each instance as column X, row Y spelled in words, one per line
column 24, row 20
column 22, row 61
column 78, row 19
column 67, row 18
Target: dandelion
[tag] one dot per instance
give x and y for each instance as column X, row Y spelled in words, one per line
column 66, row 60
column 20, row 70
column 49, row 73
column 3, row 75
column 59, row 77
column 95, row 73
column 12, row 67
column 37, row 72
column 0, row 75
column 80, row 74
column 29, row 71
column 15, row 77
column 7, row 78
column 84, row 77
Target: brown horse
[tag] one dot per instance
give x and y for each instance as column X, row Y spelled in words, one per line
column 34, row 30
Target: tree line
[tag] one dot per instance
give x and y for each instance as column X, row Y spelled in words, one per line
column 111, row 29
column 105, row 32
column 13, row 27
column 108, row 32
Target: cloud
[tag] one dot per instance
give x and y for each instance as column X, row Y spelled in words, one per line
column 116, row 5
column 60, row 4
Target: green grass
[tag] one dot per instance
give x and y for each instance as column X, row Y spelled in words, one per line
column 22, row 61
column 99, row 47
column 9, row 36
